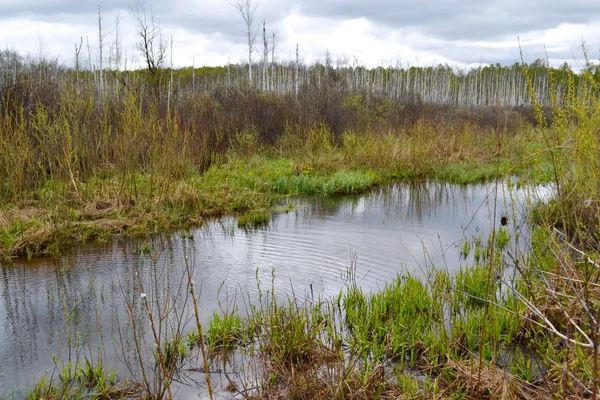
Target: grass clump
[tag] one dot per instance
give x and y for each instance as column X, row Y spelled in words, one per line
column 472, row 286
column 89, row 380
column 225, row 333
column 393, row 323
column 374, row 345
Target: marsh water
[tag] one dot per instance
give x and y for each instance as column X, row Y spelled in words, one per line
column 304, row 251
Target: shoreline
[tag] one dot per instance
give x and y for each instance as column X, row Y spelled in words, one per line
column 39, row 230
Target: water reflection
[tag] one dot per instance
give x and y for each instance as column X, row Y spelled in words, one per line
column 388, row 229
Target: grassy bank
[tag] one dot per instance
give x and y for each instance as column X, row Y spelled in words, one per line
column 82, row 161
column 250, row 178
column 472, row 335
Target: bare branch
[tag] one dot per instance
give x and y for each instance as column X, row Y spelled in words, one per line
column 247, row 8
column 151, row 43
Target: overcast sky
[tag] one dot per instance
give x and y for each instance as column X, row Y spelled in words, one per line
column 371, row 32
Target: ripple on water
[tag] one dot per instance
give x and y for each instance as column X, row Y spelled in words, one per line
column 385, row 231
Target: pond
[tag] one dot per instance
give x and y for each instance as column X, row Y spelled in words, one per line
column 304, row 251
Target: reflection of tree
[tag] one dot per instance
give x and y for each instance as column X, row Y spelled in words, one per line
column 87, row 292
column 20, row 325
column 34, row 303
column 414, row 201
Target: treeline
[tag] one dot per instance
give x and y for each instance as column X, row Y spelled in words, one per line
column 75, row 124
column 489, row 86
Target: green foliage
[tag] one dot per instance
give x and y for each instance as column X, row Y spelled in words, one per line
column 254, row 219
column 472, row 287
column 392, row 323
column 225, row 333
column 90, row 380
column 465, row 173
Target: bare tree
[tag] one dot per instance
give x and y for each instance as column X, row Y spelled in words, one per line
column 273, row 46
column 296, row 77
column 228, row 72
column 101, row 37
column 77, row 60
column 170, row 80
column 116, row 57
column 89, row 51
column 247, row 8
column 193, row 73
column 151, row 44
column 41, row 49
column 265, row 84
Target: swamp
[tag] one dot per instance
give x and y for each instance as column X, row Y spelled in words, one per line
column 314, row 231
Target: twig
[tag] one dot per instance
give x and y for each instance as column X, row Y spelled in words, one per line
column 588, row 259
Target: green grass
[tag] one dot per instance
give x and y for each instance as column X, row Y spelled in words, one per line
column 427, row 327
column 470, row 172
column 465, row 173
column 82, row 381
column 226, row 332
column 282, row 176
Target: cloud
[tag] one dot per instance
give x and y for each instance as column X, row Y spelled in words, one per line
column 45, row 8
column 461, row 19
column 459, row 32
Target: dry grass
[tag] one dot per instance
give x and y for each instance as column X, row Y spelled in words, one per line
column 103, row 207
column 492, row 382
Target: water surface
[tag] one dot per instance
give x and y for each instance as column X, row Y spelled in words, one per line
column 385, row 232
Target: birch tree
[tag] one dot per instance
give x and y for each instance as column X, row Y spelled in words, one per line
column 116, row 54
column 101, row 37
column 247, row 8
column 265, row 58
column 193, row 73
column 170, row 80
column 89, row 51
column 273, row 46
column 296, row 78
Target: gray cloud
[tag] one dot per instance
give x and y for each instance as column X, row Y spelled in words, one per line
column 460, row 19
column 205, row 16
column 45, row 8
column 463, row 31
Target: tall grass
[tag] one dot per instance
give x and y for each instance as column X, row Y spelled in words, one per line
column 77, row 139
column 73, row 168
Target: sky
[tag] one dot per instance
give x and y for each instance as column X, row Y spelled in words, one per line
column 460, row 33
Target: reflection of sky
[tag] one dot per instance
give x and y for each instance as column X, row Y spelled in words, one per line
column 313, row 245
